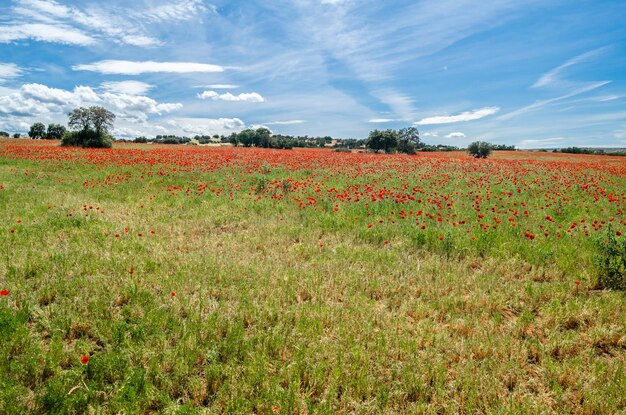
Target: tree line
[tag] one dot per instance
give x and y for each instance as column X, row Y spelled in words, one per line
column 90, row 127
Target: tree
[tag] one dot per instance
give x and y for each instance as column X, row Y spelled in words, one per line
column 263, row 138
column 409, row 140
column 17, row 135
column 4, row 134
column 479, row 149
column 37, row 131
column 55, row 132
column 91, row 128
column 247, row 137
column 102, row 119
column 80, row 119
column 234, row 139
column 383, row 140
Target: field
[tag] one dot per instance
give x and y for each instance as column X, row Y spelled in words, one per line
column 186, row 279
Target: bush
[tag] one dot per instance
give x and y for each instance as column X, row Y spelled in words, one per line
column 480, row 149
column 611, row 263
column 87, row 139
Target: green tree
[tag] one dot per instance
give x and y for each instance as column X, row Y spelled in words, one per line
column 234, row 139
column 4, row 134
column 102, row 119
column 37, row 131
column 409, row 140
column 55, row 132
column 91, row 128
column 17, row 135
column 263, row 138
column 480, row 149
column 383, row 140
column 247, row 138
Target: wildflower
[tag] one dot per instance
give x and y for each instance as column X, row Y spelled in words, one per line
column 577, row 282
column 275, row 409
column 4, row 292
column 173, row 294
column 84, row 360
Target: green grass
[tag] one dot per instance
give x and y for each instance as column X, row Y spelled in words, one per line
column 306, row 310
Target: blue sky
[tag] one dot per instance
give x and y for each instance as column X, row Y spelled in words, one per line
column 530, row 73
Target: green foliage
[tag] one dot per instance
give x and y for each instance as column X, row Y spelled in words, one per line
column 37, row 131
column 383, row 140
column 93, row 124
column 611, row 262
column 55, row 132
column 4, row 134
column 141, row 139
column 479, row 149
column 87, row 139
column 17, row 135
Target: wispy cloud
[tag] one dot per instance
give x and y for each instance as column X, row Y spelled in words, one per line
column 9, row 71
column 543, row 142
column 46, row 33
column 245, row 97
column 219, row 86
column 545, row 102
column 51, row 21
column 183, row 10
column 464, row 116
column 554, row 76
column 120, row 67
column 289, row 122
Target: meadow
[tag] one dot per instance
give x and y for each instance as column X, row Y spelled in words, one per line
column 186, row 279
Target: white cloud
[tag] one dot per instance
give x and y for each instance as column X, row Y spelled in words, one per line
column 381, row 120
column 456, row 135
column 245, row 97
column 127, row 87
column 290, row 122
column 8, row 71
column 464, row 116
column 220, row 86
column 431, row 134
column 183, row 10
column 553, row 76
column 50, row 7
column 48, row 20
column 37, row 99
column 121, row 67
column 46, row 33
column 195, row 126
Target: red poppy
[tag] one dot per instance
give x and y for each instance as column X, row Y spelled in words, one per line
column 84, row 360
column 173, row 294
column 4, row 292
column 275, row 409
column 577, row 283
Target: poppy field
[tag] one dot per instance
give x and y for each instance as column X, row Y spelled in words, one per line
column 192, row 279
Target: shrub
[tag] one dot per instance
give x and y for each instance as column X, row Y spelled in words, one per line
column 611, row 263
column 480, row 149
column 87, row 139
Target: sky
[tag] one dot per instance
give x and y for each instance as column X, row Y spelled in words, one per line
column 532, row 73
